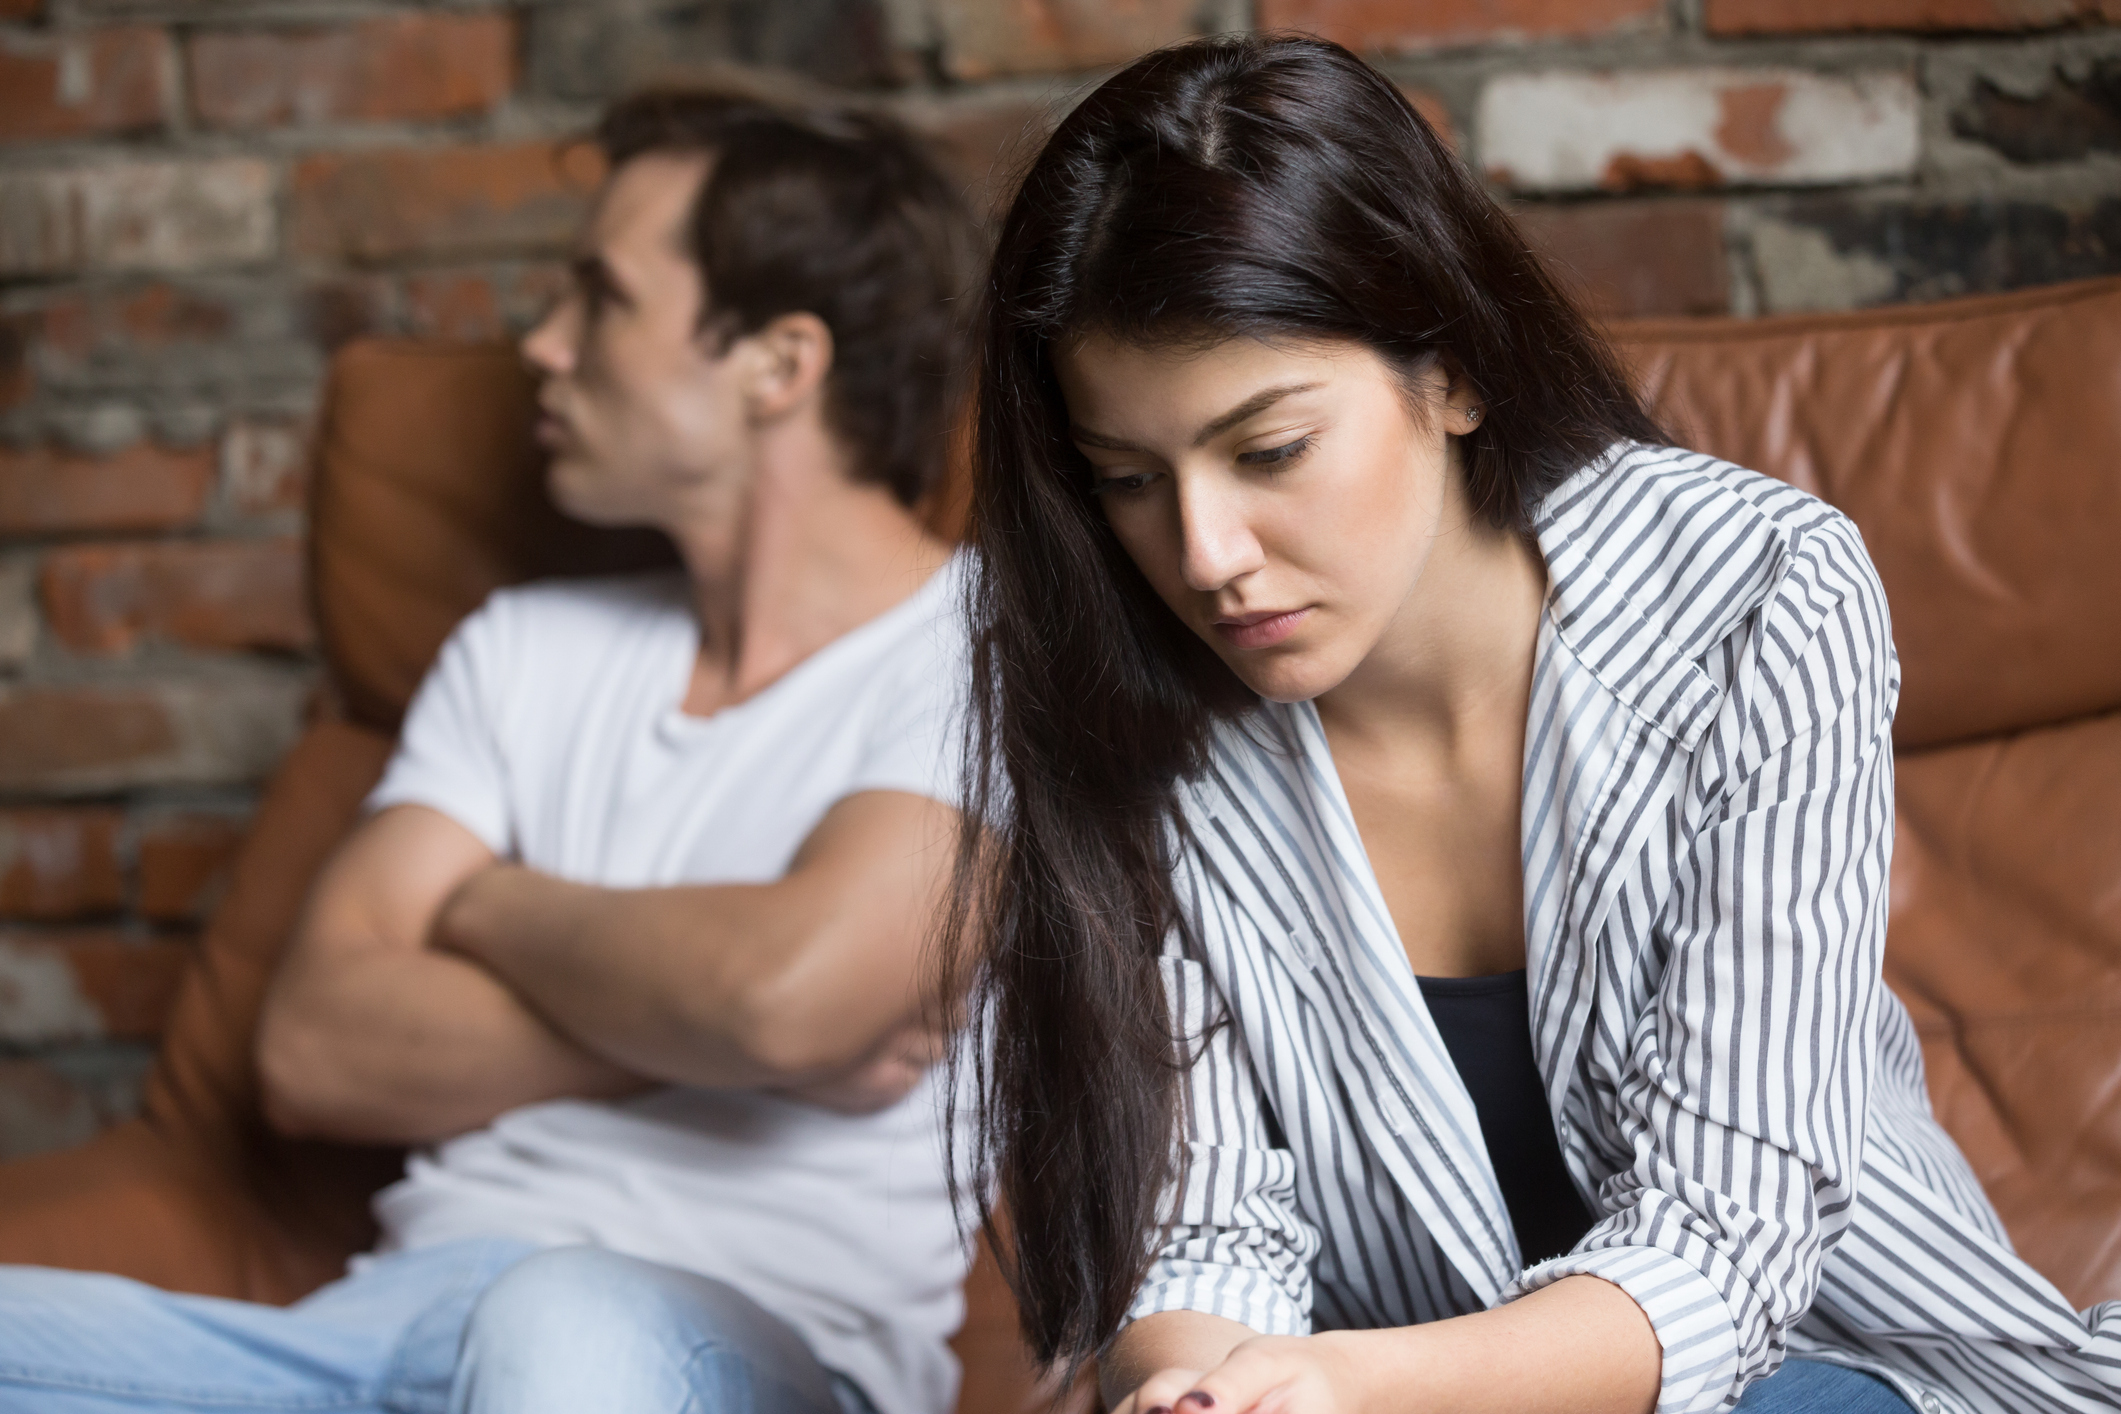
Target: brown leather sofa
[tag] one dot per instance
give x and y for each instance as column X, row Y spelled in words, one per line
column 1977, row 443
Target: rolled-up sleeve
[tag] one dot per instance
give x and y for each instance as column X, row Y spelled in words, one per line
column 1236, row 1246
column 1748, row 1076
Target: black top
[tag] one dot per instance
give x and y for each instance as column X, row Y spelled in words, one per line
column 1486, row 1025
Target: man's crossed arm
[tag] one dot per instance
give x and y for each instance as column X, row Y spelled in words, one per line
column 431, row 987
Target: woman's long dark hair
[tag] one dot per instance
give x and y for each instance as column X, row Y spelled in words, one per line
column 1265, row 186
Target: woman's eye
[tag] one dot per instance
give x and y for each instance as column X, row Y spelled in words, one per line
column 1272, row 456
column 1123, row 485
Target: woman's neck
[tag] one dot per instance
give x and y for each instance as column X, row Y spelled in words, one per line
column 1455, row 665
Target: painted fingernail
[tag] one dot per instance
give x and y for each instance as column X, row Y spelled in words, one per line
column 1161, row 1409
column 1201, row 1399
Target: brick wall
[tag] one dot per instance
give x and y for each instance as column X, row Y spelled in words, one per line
column 198, row 203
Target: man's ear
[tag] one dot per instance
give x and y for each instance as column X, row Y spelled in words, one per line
column 789, row 360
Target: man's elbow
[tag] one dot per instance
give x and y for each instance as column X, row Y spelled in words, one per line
column 300, row 1086
column 790, row 1028
column 286, row 1064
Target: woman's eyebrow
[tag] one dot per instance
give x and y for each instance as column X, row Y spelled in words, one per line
column 1253, row 406
column 1258, row 403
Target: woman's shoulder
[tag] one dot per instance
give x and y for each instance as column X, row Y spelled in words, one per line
column 1673, row 493
column 1695, row 545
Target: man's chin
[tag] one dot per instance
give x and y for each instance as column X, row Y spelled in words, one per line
column 573, row 489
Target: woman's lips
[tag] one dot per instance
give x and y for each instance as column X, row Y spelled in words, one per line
column 1260, row 630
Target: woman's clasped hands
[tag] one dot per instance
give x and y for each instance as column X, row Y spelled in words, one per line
column 1273, row 1374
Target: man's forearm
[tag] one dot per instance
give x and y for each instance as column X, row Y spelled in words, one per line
column 397, row 1047
column 657, row 981
column 774, row 985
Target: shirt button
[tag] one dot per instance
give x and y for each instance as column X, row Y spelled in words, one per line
column 1932, row 1405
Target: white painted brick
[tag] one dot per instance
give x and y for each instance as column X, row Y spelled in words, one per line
column 176, row 215
column 41, row 1001
column 1797, row 268
column 1574, row 131
column 263, row 463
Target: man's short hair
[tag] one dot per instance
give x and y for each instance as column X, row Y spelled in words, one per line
column 840, row 213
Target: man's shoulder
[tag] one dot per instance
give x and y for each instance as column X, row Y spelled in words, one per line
column 525, row 623
column 922, row 638
column 598, row 599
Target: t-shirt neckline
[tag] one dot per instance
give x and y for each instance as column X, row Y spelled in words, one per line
column 674, row 717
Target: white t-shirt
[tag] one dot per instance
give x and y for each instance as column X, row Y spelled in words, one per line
column 551, row 728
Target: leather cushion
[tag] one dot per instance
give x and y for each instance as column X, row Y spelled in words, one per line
column 197, row 1195
column 1976, row 443
column 428, row 494
column 2005, row 943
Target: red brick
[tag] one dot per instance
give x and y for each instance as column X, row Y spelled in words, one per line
column 488, row 302
column 265, row 464
column 401, row 67
column 68, row 325
column 983, row 38
column 58, row 864
column 1435, row 112
column 1631, row 258
column 17, row 383
column 440, row 201
column 144, row 487
column 1832, row 16
column 345, row 307
column 163, row 314
column 51, row 734
column 87, row 985
column 1400, row 26
column 452, row 306
column 184, row 865
column 983, row 142
column 94, row 82
column 228, row 727
column 201, row 594
column 121, row 333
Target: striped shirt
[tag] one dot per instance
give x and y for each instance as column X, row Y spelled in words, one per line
column 1707, row 824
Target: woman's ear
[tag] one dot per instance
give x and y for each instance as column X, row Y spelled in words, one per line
column 1463, row 407
column 789, row 359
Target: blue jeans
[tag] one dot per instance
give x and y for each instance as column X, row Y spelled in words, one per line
column 1817, row 1387
column 485, row 1327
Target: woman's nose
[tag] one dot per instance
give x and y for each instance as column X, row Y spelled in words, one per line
column 1217, row 542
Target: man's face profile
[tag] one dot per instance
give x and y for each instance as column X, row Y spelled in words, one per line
column 639, row 407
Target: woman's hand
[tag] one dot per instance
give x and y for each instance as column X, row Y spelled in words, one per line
column 1269, row 1374
column 1580, row 1344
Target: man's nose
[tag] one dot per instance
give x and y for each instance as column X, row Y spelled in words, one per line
column 1217, row 545
column 549, row 347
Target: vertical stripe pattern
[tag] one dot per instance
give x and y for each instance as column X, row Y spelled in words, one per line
column 1707, row 826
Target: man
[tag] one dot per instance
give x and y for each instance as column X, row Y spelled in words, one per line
column 630, row 940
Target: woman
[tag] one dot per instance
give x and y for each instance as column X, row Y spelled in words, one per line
column 1499, row 802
